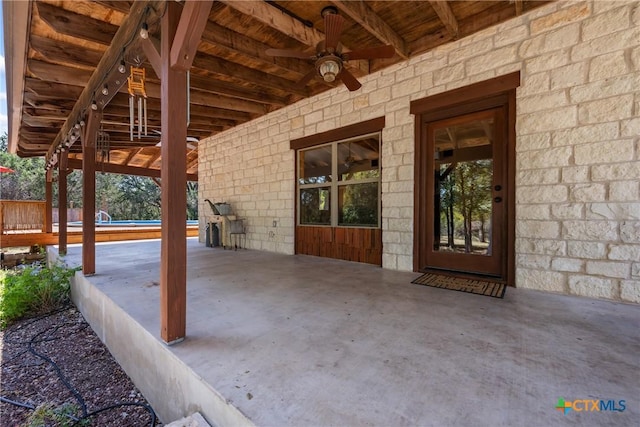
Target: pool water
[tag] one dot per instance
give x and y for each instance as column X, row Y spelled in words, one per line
column 128, row 223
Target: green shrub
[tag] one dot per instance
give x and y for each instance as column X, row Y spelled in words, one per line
column 33, row 290
column 62, row 416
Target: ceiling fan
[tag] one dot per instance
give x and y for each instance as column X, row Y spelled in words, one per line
column 329, row 59
column 190, row 139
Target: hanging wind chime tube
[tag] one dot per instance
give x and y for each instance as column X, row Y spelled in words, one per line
column 136, row 87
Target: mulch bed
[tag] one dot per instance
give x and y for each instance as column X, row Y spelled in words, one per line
column 58, row 360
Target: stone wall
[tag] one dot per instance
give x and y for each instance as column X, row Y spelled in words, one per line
column 578, row 165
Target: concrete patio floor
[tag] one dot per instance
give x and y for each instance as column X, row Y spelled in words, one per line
column 306, row 341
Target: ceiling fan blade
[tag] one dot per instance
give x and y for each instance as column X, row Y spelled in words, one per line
column 349, row 80
column 288, row 53
column 384, row 51
column 332, row 30
column 306, row 79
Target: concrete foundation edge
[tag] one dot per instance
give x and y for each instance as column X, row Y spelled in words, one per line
column 172, row 388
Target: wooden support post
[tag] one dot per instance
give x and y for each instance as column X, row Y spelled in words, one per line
column 62, row 204
column 88, row 137
column 48, row 202
column 173, row 257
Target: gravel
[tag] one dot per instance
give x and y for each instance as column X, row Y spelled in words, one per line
column 57, row 361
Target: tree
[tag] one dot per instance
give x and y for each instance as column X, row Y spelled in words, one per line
column 27, row 180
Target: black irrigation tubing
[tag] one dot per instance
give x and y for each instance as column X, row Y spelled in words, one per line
column 63, row 379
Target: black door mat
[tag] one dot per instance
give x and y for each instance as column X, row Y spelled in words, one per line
column 473, row 286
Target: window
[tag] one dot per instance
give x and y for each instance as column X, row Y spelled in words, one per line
column 339, row 183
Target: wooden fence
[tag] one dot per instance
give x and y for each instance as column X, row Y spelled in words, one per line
column 22, row 215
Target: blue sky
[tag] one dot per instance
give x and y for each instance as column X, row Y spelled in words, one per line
column 3, row 81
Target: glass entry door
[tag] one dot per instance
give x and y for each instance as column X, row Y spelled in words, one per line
column 465, row 200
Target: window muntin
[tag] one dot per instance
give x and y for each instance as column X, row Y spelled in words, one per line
column 351, row 200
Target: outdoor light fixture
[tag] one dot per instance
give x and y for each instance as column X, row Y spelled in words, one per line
column 77, row 126
column 94, row 106
column 144, row 31
column 82, row 123
column 329, row 67
column 105, row 90
column 122, row 67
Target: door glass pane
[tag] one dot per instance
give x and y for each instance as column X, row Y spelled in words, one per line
column 463, row 180
column 314, row 206
column 315, row 165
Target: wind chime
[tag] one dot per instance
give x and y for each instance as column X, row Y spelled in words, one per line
column 103, row 146
column 137, row 92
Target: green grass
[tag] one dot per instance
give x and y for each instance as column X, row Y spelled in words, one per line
column 32, row 290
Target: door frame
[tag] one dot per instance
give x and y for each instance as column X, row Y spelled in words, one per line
column 499, row 92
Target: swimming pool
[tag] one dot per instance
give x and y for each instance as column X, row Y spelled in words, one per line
column 129, row 223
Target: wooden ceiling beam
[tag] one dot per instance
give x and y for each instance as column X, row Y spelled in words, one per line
column 447, row 17
column 125, row 170
column 370, row 21
column 244, row 46
column 53, row 90
column 193, row 19
column 61, row 52
column 259, row 78
column 277, row 20
column 76, row 25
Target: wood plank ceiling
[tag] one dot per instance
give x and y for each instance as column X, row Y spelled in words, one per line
column 232, row 80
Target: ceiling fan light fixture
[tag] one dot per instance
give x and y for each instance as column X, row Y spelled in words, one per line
column 329, row 67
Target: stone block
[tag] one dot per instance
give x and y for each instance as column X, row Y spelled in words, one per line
column 587, row 192
column 534, row 83
column 542, row 194
column 567, row 264
column 569, row 76
column 542, row 280
column 546, row 158
column 470, row 50
column 538, row 262
column 620, row 270
column 557, row 39
column 624, row 191
column 593, row 287
column 449, row 74
column 537, row 177
column 615, row 171
column 608, row 65
column 541, row 246
column 495, row 58
column 619, row 40
column 604, row 152
column 612, row 87
column 590, row 230
column 561, row 17
column 545, row 101
column 619, row 211
column 624, row 252
column 630, row 231
column 589, row 133
column 538, row 229
column 539, row 212
column 510, row 35
column 535, row 141
column 563, row 211
column 606, row 110
column 606, row 23
column 543, row 121
column 573, row 174
column 635, row 269
column 630, row 291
